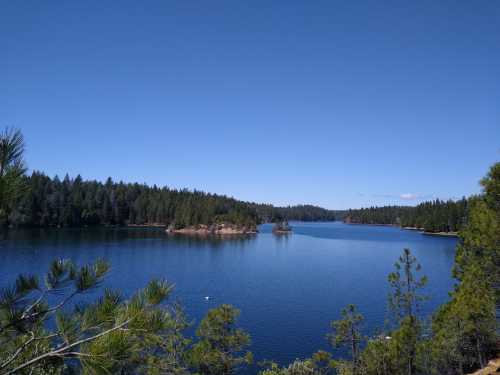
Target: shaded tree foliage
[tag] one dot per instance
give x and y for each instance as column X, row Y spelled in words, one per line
column 12, row 169
column 347, row 332
column 43, row 330
column 77, row 202
column 431, row 216
column 270, row 213
column 221, row 349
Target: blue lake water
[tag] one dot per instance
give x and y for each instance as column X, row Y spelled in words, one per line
column 287, row 287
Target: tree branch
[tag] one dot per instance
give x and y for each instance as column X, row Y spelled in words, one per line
column 61, row 352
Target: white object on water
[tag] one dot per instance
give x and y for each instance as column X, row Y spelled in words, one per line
column 207, row 298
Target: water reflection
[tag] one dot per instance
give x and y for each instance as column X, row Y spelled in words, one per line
column 61, row 237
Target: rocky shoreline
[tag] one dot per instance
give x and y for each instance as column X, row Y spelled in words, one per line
column 282, row 231
column 215, row 229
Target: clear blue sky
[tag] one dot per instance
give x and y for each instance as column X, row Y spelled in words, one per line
column 339, row 104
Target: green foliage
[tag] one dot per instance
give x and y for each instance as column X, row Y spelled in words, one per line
column 221, row 346
column 432, row 216
column 480, row 239
column 377, row 358
column 76, row 203
column 282, row 226
column 171, row 353
column 321, row 363
column 405, row 298
column 271, row 214
column 111, row 335
column 467, row 325
column 296, row 368
column 491, row 187
column 465, row 328
column 347, row 331
column 12, row 169
column 404, row 301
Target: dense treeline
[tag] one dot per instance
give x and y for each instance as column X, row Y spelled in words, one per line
column 432, row 216
column 270, row 213
column 76, row 202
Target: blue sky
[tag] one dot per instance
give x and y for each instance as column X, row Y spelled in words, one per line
column 339, row 104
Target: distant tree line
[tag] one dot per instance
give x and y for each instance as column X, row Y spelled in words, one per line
column 40, row 201
column 74, row 202
column 269, row 213
column 431, row 216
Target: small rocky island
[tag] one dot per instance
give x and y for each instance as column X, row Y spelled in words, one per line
column 282, row 227
column 213, row 229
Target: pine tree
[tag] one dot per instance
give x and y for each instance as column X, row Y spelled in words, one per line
column 346, row 331
column 12, row 169
column 221, row 349
column 404, row 302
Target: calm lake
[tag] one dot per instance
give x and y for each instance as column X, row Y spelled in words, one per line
column 288, row 288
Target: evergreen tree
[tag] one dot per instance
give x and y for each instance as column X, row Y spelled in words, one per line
column 12, row 169
column 404, row 302
column 220, row 350
column 432, row 216
column 39, row 335
column 346, row 331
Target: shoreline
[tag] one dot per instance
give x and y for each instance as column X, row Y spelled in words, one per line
column 373, row 224
column 152, row 225
column 420, row 230
column 441, row 234
column 427, row 233
column 282, row 232
column 217, row 230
